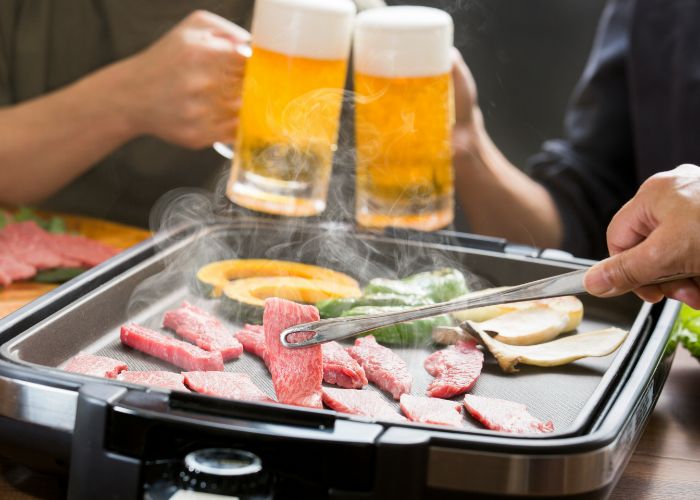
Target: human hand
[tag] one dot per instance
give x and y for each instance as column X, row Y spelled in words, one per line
column 468, row 119
column 186, row 87
column 656, row 234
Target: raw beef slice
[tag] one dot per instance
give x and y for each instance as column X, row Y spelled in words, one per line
column 226, row 385
column 97, row 366
column 359, row 402
column 12, row 269
column 505, row 416
column 78, row 250
column 455, row 369
column 253, row 340
column 382, row 366
column 28, row 243
column 203, row 329
column 431, row 410
column 340, row 368
column 176, row 352
column 296, row 373
column 161, row 379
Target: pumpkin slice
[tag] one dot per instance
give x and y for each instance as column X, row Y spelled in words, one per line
column 247, row 296
column 215, row 276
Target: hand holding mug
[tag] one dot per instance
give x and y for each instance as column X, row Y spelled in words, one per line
column 185, row 88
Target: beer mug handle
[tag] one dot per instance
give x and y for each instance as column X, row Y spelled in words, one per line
column 226, row 150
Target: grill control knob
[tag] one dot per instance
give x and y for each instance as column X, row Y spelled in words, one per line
column 226, row 472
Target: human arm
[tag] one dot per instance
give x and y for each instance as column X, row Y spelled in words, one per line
column 586, row 176
column 656, row 234
column 181, row 89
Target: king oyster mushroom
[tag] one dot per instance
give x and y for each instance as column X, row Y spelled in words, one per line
column 569, row 305
column 555, row 353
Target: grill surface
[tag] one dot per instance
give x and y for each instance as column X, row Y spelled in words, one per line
column 567, row 395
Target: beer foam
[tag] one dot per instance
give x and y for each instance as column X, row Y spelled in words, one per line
column 403, row 41
column 318, row 29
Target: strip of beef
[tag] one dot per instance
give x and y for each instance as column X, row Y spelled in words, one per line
column 12, row 269
column 226, row 385
column 176, row 352
column 80, row 251
column 296, row 373
column 203, row 329
column 455, row 369
column 157, row 378
column 252, row 337
column 505, row 416
column 383, row 367
column 340, row 368
column 359, row 402
column 97, row 366
column 431, row 410
column 28, row 243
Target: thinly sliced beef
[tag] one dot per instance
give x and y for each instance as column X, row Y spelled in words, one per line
column 28, row 243
column 253, row 340
column 227, row 385
column 505, row 416
column 161, row 379
column 79, row 250
column 455, row 369
column 431, row 410
column 97, row 366
column 12, row 269
column 383, row 367
column 339, row 368
column 359, row 402
column 296, row 373
column 203, row 329
column 176, row 352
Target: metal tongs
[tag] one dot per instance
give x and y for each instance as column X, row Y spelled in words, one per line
column 340, row 328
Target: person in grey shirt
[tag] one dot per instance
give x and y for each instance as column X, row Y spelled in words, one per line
column 107, row 104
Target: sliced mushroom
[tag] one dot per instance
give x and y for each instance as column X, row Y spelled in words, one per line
column 555, row 353
column 534, row 325
column 569, row 305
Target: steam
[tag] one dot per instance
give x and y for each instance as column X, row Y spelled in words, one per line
column 210, row 228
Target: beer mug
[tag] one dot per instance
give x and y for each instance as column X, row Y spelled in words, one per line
column 292, row 97
column 403, row 118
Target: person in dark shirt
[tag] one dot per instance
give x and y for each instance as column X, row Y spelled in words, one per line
column 635, row 115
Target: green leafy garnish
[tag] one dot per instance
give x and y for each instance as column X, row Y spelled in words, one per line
column 687, row 330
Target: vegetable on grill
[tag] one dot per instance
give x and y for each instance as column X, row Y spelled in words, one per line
column 213, row 277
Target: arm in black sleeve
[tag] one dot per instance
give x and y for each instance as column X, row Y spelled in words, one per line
column 590, row 173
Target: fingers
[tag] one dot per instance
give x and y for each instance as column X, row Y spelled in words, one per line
column 218, row 26
column 629, row 226
column 631, row 268
column 464, row 89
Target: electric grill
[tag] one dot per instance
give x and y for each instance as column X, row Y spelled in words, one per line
column 115, row 439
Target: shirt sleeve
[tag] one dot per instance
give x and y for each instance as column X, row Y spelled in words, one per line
column 590, row 173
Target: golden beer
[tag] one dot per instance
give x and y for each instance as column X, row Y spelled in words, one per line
column 403, row 122
column 292, row 97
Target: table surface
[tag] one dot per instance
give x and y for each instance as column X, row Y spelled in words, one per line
column 665, row 465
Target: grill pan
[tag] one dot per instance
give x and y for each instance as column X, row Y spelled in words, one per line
column 585, row 400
